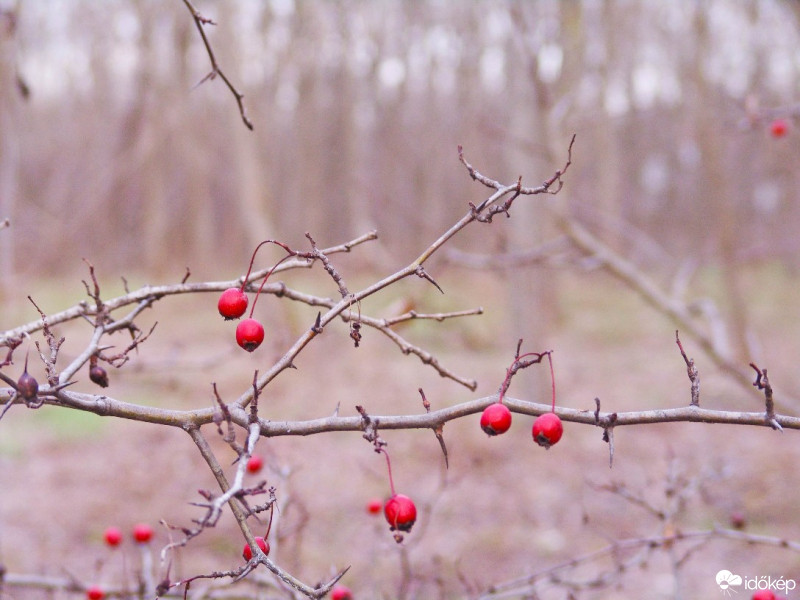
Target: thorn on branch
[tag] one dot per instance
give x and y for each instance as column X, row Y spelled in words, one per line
column 420, row 272
column 224, row 414
column 691, row 370
column 317, row 327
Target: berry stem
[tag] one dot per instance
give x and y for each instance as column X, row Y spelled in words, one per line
column 552, row 379
column 389, row 467
column 517, row 364
column 253, row 258
column 275, row 266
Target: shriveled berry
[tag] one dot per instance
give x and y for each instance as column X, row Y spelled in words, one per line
column 249, row 334
column 374, row 506
column 496, row 419
column 247, row 553
column 254, row 463
column 98, row 375
column 95, row 593
column 232, row 303
column 113, row 536
column 27, row 386
column 142, row 533
column 340, row 592
column 547, row 429
column 400, row 512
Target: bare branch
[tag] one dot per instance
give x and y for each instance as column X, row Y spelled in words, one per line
column 200, row 21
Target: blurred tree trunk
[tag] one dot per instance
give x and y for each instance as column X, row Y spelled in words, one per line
column 715, row 190
column 10, row 101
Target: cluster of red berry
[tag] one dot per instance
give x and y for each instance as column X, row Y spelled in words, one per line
column 142, row 533
column 232, row 304
column 547, row 428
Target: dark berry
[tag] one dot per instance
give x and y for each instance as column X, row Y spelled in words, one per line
column 98, row 375
column 27, row 386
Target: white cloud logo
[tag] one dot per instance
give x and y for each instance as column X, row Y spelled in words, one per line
column 726, row 579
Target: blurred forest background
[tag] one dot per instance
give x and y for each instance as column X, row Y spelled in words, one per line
column 358, row 109
column 109, row 150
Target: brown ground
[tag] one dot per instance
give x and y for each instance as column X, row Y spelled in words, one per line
column 504, row 509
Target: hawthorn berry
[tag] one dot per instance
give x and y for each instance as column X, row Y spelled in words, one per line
column 112, row 536
column 142, row 533
column 738, row 520
column 779, row 128
column 254, row 463
column 249, row 334
column 95, row 593
column 547, row 429
column 247, row 553
column 400, row 512
column 374, row 506
column 232, row 303
column 27, row 386
column 764, row 595
column 496, row 419
column 98, row 375
column 341, row 592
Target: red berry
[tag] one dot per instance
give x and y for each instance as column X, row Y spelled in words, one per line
column 374, row 506
column 262, row 543
column 400, row 512
column 249, row 334
column 341, row 593
column 113, row 536
column 547, row 429
column 95, row 593
column 255, row 463
column 142, row 533
column 779, row 128
column 763, row 595
column 738, row 520
column 496, row 419
column 232, row 303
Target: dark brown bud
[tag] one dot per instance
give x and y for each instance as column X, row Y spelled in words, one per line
column 98, row 375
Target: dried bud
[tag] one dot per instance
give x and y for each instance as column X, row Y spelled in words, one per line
column 98, row 375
